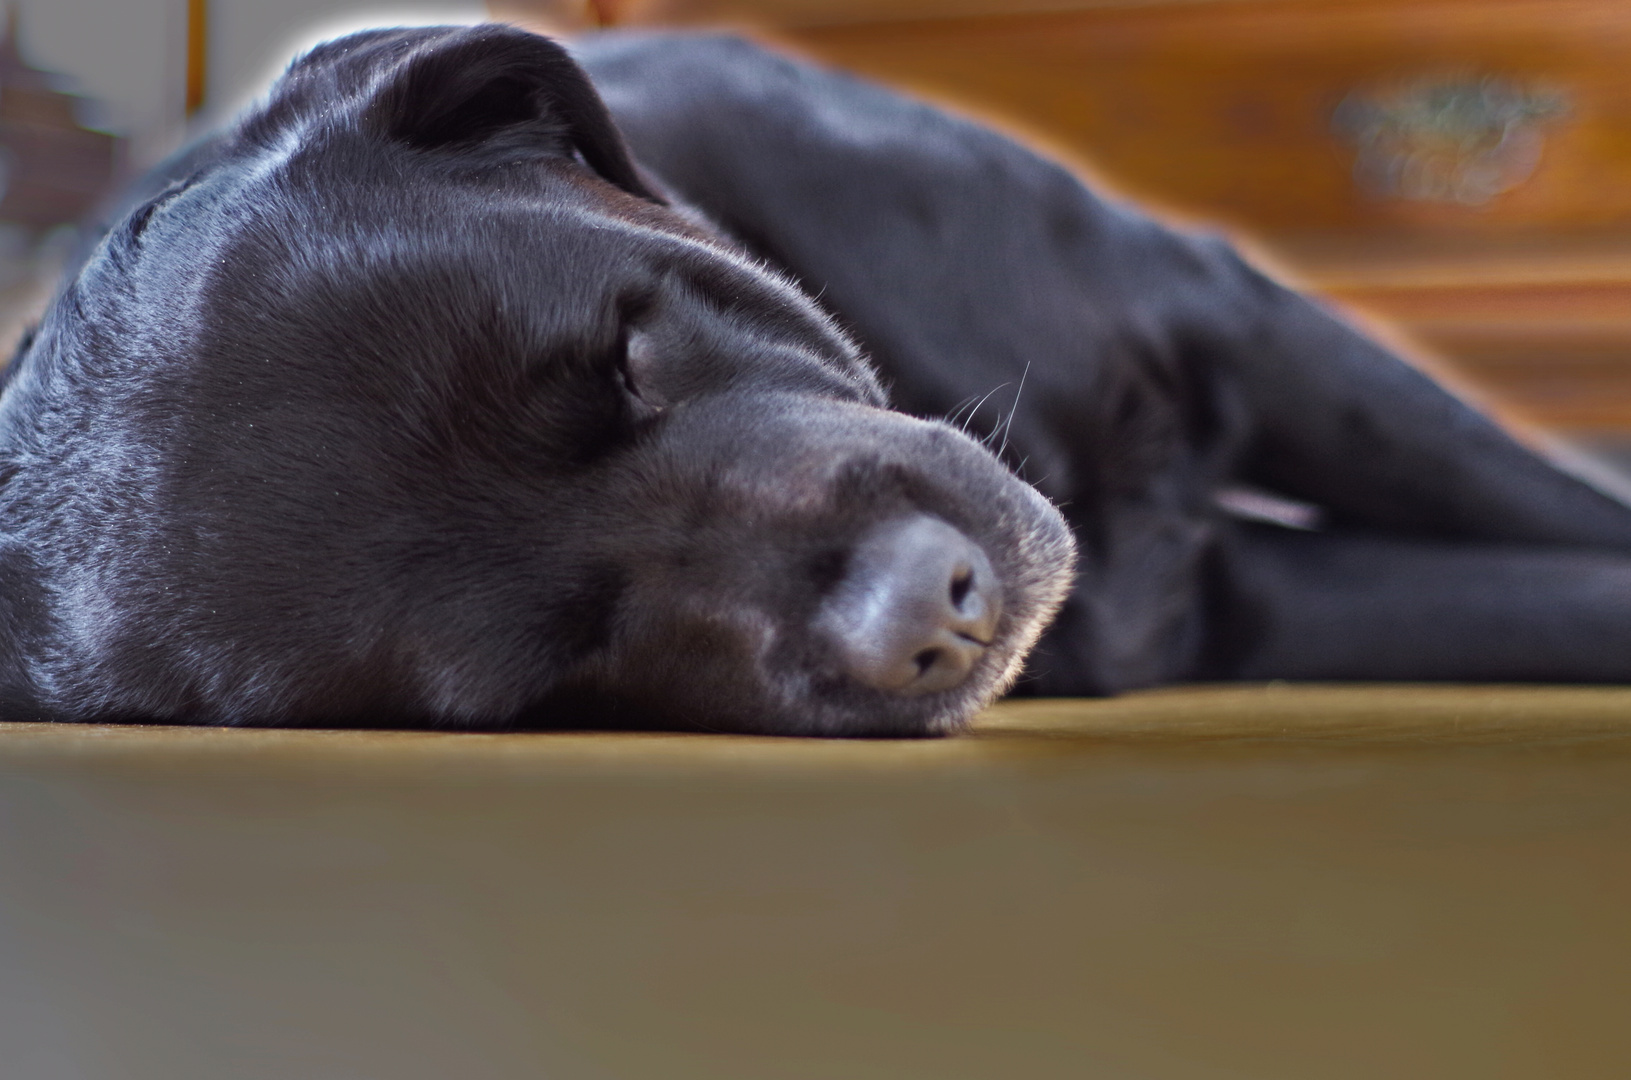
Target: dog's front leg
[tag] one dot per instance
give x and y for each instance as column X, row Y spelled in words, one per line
column 1299, row 605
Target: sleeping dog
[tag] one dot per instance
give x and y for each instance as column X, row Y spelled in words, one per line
column 470, row 383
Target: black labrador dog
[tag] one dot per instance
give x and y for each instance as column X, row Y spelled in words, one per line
column 416, row 398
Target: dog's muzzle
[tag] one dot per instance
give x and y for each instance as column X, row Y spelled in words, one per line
column 915, row 610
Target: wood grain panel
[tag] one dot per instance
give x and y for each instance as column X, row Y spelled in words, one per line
column 1226, row 109
column 778, row 13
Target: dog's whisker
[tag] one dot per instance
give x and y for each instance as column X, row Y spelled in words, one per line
column 1009, row 426
column 972, row 413
column 952, row 417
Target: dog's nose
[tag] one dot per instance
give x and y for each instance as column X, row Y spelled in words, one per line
column 916, row 608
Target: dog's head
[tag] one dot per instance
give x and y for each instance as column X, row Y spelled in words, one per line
column 416, row 403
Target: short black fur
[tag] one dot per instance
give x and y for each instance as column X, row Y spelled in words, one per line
column 416, row 398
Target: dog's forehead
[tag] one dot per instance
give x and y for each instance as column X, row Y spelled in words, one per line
column 308, row 264
column 537, row 224
column 255, row 238
column 547, row 246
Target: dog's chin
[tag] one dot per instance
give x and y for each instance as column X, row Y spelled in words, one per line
column 823, row 720
column 793, row 707
column 841, row 710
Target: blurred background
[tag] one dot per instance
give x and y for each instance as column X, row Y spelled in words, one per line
column 1455, row 172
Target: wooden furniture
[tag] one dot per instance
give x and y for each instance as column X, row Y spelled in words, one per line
column 1460, row 168
column 1274, row 882
column 52, row 168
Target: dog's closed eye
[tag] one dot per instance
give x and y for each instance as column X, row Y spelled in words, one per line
column 138, row 220
column 637, row 371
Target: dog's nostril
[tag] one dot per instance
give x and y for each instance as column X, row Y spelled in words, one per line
column 915, row 609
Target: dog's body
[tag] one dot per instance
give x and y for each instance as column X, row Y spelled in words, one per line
column 414, row 400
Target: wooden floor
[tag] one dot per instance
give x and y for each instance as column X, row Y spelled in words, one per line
column 1261, row 882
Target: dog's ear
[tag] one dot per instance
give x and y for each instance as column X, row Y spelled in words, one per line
column 490, row 85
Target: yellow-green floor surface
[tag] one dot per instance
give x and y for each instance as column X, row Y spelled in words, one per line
column 1240, row 882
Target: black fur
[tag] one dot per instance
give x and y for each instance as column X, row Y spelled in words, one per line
column 413, row 399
